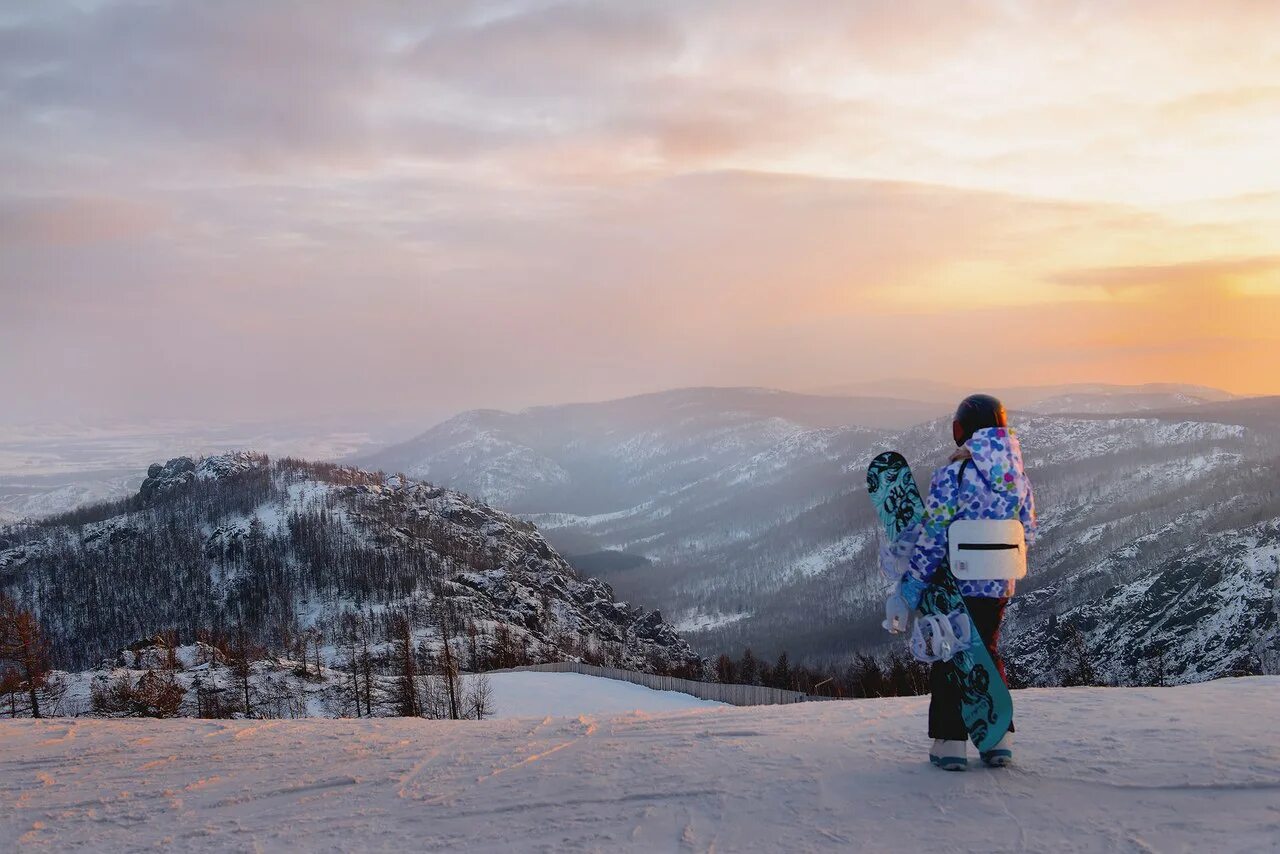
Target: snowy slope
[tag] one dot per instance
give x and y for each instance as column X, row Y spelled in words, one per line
column 1212, row 611
column 786, row 536
column 1194, row 768
column 539, row 695
column 282, row 694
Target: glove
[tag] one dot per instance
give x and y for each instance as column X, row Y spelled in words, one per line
column 896, row 614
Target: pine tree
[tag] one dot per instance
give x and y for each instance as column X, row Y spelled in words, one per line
column 750, row 668
column 782, row 673
column 1075, row 662
column 725, row 669
column 868, row 677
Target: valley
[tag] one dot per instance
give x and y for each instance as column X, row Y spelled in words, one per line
column 746, row 522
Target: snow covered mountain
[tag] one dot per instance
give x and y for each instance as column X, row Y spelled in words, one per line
column 1106, row 398
column 279, row 547
column 760, row 534
column 1067, row 397
column 598, row 457
column 1210, row 610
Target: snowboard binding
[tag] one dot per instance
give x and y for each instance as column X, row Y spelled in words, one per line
column 939, row 637
column 896, row 613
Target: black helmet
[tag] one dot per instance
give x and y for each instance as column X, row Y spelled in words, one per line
column 975, row 412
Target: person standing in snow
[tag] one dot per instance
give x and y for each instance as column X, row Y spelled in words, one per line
column 984, row 479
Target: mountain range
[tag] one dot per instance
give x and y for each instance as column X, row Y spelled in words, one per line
column 742, row 513
column 739, row 512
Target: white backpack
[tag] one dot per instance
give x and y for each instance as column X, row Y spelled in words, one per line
column 987, row 549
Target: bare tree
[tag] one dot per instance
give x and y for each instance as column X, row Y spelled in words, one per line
column 11, row 687
column 473, row 650
column 24, row 647
column 366, row 664
column 241, row 656
column 349, row 637
column 479, row 697
column 408, row 702
column 449, row 663
column 316, row 635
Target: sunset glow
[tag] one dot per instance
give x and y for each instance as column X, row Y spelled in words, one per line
column 426, row 207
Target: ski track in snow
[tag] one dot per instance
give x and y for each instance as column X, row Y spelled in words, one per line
column 1194, row 768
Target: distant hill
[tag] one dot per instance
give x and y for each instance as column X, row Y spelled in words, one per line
column 1112, row 399
column 597, row 457
column 1068, row 397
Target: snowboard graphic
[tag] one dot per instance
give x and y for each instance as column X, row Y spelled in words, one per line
column 987, row 708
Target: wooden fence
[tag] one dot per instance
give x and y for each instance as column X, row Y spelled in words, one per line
column 736, row 695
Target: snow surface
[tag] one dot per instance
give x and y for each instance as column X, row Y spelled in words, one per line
column 1193, row 768
column 701, row 621
column 831, row 555
column 537, row 695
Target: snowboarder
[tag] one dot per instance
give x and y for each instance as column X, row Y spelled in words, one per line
column 983, row 480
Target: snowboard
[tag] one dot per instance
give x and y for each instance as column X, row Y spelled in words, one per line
column 986, row 706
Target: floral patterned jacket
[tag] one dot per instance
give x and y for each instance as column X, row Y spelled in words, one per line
column 995, row 486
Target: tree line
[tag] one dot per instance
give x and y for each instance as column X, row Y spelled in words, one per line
column 895, row 675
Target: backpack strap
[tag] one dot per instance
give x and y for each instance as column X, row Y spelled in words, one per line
column 946, row 561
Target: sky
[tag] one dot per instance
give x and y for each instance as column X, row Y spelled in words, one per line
column 244, row 209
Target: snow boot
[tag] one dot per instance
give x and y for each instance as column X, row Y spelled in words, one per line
column 1000, row 755
column 949, row 755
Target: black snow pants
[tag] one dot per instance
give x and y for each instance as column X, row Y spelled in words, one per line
column 944, row 701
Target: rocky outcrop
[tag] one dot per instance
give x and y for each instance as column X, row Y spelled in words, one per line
column 181, row 471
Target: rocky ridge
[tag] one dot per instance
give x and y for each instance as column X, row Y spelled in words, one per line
column 288, row 546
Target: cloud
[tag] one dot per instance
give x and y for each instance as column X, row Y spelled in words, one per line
column 71, row 221
column 1214, row 273
column 291, row 302
column 252, row 81
column 1246, row 101
column 556, row 49
column 297, row 206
